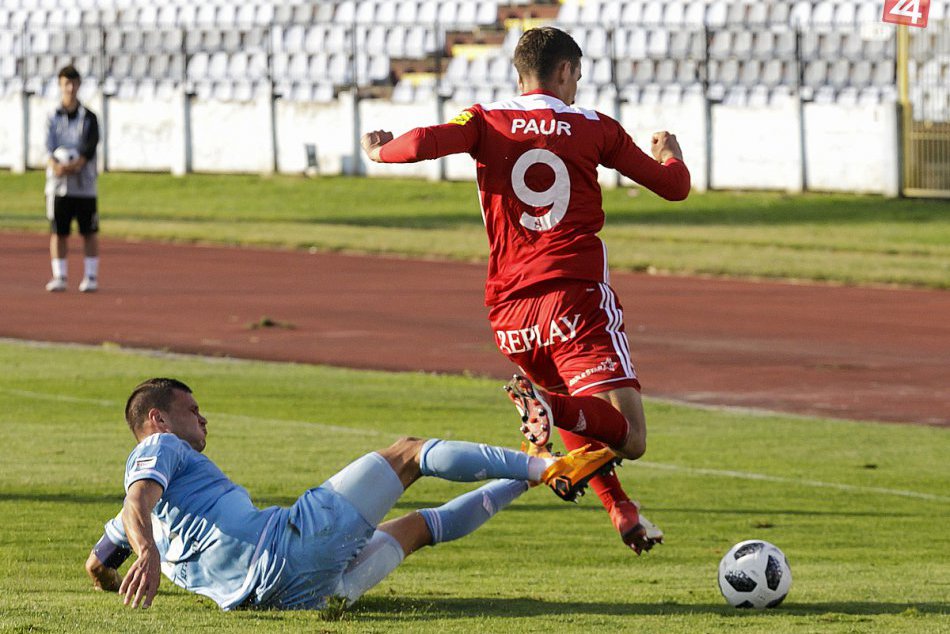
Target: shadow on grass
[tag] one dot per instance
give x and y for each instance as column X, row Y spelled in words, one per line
column 373, row 608
column 68, row 498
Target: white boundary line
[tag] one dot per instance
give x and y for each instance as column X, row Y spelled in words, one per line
column 745, row 475
column 719, row 473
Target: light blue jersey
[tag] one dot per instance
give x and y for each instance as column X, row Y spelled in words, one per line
column 212, row 538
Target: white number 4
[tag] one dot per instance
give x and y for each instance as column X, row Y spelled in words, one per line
column 908, row 9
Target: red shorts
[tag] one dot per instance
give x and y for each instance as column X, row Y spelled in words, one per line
column 566, row 337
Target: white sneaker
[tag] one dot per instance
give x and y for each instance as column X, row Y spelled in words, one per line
column 88, row 285
column 56, row 285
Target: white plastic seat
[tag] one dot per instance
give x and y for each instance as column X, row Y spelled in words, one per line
column 338, row 69
column 463, row 94
column 861, row 73
column 385, row 13
column 246, row 15
column 376, row 40
column 631, row 13
column 680, row 44
column 771, row 73
column 365, row 12
column 477, row 71
column 406, row 12
column 847, row 96
column 758, row 97
column 650, row 95
column 716, row 14
column 313, row 38
column 742, row 44
column 148, row 16
column 852, row 45
column 500, row 71
column 779, row 15
column 590, row 13
column 687, row 72
column 780, row 96
column 596, row 45
column 600, row 73
column 345, row 13
column 569, row 13
column 206, row 14
column 487, row 13
column 237, row 66
column 652, row 13
column 750, row 72
column 403, row 93
column 337, row 39
column 665, row 71
column 800, row 14
column 323, row 93
column 736, row 96
column 416, row 42
column 467, row 13
column 729, row 72
column 736, row 14
column 636, row 44
column 265, row 14
column 829, row 45
column 815, row 73
column 822, row 14
column 644, row 71
column 785, row 44
column 758, row 16
column 845, row 15
column 883, row 73
column 720, row 45
column 658, row 43
column 695, row 14
column 674, row 14
column 218, row 66
column 298, row 66
column 447, row 14
column 824, row 95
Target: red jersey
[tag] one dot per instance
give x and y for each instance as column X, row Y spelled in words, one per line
column 537, row 164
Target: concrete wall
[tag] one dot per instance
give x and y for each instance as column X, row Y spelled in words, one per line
column 844, row 148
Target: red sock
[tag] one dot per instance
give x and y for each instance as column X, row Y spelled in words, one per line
column 590, row 417
column 608, row 487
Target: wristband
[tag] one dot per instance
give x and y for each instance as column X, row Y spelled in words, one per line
column 109, row 554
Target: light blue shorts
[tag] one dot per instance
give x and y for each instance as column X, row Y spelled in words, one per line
column 327, row 527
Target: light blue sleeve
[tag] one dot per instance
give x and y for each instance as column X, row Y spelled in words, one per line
column 115, row 531
column 157, row 458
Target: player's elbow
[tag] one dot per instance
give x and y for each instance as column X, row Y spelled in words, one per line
column 678, row 194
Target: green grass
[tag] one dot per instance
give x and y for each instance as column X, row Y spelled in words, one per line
column 864, row 560
column 838, row 238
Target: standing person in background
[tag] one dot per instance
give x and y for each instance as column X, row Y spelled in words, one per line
column 72, row 135
column 551, row 305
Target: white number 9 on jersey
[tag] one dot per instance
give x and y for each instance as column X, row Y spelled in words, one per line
column 557, row 196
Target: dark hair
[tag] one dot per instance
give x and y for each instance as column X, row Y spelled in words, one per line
column 157, row 393
column 541, row 50
column 69, row 72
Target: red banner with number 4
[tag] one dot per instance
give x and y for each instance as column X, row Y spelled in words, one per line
column 909, row 12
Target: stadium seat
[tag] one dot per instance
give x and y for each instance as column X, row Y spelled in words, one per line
column 589, row 14
column 467, row 14
column 487, row 13
column 681, row 44
column 839, row 73
column 695, row 15
column 365, row 12
column 652, row 13
column 736, row 96
column 187, row 15
column 785, row 44
column 736, row 14
column 772, row 73
column 758, row 97
column 650, row 95
column 635, row 44
column 601, row 73
column 447, row 13
column 758, row 15
column 671, row 95
column 720, row 45
column 829, row 45
column 742, row 44
column 815, row 73
column 800, row 14
column 631, row 14
column 824, row 95
column 385, row 13
column 501, row 72
column 345, row 13
column 407, row 12
column 687, row 72
column 658, row 43
column 643, row 71
column 716, row 14
column 861, row 73
column 750, row 71
column 822, row 15
column 596, row 43
column 674, row 14
column 883, row 74
column 847, row 96
column 569, row 13
column 665, row 71
column 845, row 15
column 403, row 93
column 313, row 38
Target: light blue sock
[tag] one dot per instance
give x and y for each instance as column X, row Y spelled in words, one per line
column 462, row 515
column 469, row 462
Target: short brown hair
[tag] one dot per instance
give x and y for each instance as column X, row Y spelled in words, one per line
column 541, row 50
column 69, row 72
column 157, row 393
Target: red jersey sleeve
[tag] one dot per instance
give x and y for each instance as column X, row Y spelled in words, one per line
column 670, row 179
column 419, row 144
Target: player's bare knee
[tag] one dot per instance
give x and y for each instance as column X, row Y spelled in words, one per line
column 634, row 447
column 403, row 457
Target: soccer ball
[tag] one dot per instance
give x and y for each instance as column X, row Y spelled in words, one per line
column 64, row 155
column 754, row 574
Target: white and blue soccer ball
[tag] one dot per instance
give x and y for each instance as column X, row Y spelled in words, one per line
column 64, row 155
column 754, row 574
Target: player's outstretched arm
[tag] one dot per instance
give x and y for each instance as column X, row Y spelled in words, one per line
column 141, row 581
column 665, row 174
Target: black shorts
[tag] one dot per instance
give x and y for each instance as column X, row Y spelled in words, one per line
column 65, row 208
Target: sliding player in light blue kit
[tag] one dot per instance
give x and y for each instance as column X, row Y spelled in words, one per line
column 184, row 517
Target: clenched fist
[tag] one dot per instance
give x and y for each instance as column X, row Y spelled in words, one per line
column 664, row 147
column 373, row 142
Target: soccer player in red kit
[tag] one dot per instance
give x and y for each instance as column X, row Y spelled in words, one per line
column 552, row 309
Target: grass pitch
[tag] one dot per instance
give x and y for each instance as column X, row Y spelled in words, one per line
column 837, row 238
column 860, row 509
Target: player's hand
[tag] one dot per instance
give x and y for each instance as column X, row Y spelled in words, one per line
column 59, row 169
column 103, row 578
column 665, row 146
column 141, row 581
column 373, row 142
